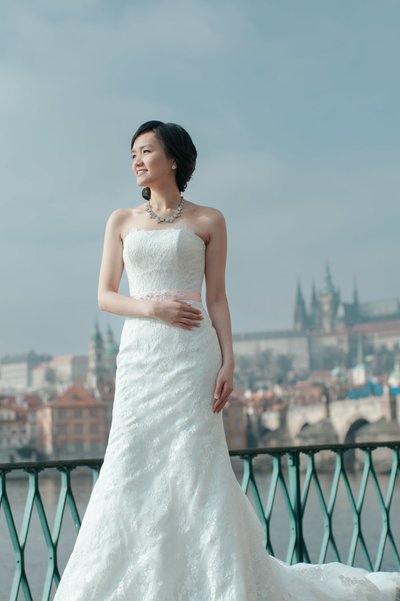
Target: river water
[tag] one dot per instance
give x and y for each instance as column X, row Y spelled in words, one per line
column 36, row 553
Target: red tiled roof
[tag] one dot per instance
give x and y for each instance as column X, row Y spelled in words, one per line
column 75, row 395
column 33, row 400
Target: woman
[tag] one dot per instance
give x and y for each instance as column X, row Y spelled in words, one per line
column 167, row 519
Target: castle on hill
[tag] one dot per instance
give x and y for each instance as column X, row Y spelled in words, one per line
column 330, row 332
column 328, row 312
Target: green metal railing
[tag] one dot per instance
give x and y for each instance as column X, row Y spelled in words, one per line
column 295, row 484
column 293, row 472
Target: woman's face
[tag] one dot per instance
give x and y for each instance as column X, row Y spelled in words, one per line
column 150, row 164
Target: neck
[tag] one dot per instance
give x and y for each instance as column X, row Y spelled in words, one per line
column 165, row 198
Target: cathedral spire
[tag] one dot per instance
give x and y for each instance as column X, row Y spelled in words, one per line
column 314, row 309
column 300, row 313
column 109, row 336
column 328, row 287
column 355, row 293
column 314, row 300
column 96, row 336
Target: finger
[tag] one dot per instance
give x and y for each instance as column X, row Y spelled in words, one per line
column 197, row 317
column 188, row 307
column 193, row 314
column 188, row 324
column 218, row 390
column 188, row 321
column 184, row 314
column 189, row 315
column 221, row 402
column 217, row 395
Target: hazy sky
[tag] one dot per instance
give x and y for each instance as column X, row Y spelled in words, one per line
column 294, row 110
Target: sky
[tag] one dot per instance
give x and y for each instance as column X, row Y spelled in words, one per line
column 292, row 106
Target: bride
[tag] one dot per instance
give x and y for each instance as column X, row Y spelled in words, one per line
column 167, row 519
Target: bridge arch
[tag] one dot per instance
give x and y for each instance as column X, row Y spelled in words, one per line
column 353, row 429
column 350, row 455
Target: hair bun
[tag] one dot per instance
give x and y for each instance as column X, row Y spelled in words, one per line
column 146, row 193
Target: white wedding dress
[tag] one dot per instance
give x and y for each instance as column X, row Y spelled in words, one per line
column 167, row 519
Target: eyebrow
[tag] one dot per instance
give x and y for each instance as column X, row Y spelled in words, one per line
column 142, row 147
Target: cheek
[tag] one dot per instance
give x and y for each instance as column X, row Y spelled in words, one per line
column 155, row 162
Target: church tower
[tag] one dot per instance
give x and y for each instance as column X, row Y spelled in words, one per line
column 329, row 301
column 300, row 313
column 315, row 316
column 110, row 352
column 95, row 359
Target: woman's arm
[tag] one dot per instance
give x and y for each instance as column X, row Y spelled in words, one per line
column 217, row 304
column 111, row 270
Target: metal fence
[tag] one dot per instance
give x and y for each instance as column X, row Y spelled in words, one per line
column 292, row 473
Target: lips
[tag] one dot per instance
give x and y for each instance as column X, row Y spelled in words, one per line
column 140, row 171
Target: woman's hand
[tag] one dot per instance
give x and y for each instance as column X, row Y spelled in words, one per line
column 177, row 313
column 223, row 387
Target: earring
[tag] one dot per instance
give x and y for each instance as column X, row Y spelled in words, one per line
column 173, row 166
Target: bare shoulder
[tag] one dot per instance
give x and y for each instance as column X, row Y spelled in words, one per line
column 216, row 216
column 211, row 215
column 206, row 221
column 117, row 216
column 120, row 219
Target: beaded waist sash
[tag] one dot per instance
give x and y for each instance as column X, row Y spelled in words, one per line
column 169, row 294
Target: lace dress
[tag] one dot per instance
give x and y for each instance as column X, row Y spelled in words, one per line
column 167, row 519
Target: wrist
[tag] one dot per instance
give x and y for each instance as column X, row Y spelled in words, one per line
column 229, row 362
column 151, row 308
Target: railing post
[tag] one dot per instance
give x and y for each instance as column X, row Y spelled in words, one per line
column 295, row 501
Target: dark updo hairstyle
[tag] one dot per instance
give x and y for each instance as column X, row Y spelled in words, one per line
column 178, row 145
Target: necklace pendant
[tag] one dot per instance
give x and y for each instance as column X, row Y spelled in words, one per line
column 160, row 219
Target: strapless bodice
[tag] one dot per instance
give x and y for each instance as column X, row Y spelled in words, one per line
column 164, row 259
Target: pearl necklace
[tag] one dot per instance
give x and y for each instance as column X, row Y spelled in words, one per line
column 154, row 215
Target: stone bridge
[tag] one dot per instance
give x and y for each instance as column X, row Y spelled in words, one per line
column 346, row 416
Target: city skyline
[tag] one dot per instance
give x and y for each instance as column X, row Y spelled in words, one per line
column 296, row 130
column 102, row 321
